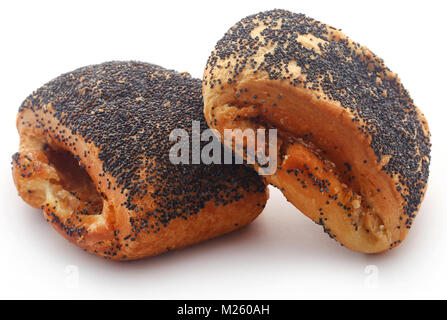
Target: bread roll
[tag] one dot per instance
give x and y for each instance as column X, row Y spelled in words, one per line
column 94, row 155
column 353, row 149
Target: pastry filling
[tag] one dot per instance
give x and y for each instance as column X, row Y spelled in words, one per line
column 75, row 187
column 308, row 166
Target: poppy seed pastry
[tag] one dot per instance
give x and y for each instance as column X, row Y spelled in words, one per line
column 353, row 149
column 94, row 155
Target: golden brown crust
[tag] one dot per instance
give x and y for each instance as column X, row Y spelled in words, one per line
column 354, row 149
column 94, row 156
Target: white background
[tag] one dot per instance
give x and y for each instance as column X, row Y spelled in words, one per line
column 282, row 254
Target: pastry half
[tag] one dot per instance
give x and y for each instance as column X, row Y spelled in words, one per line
column 94, row 156
column 353, row 149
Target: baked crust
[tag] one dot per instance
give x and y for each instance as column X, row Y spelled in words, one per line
column 94, row 155
column 354, row 150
